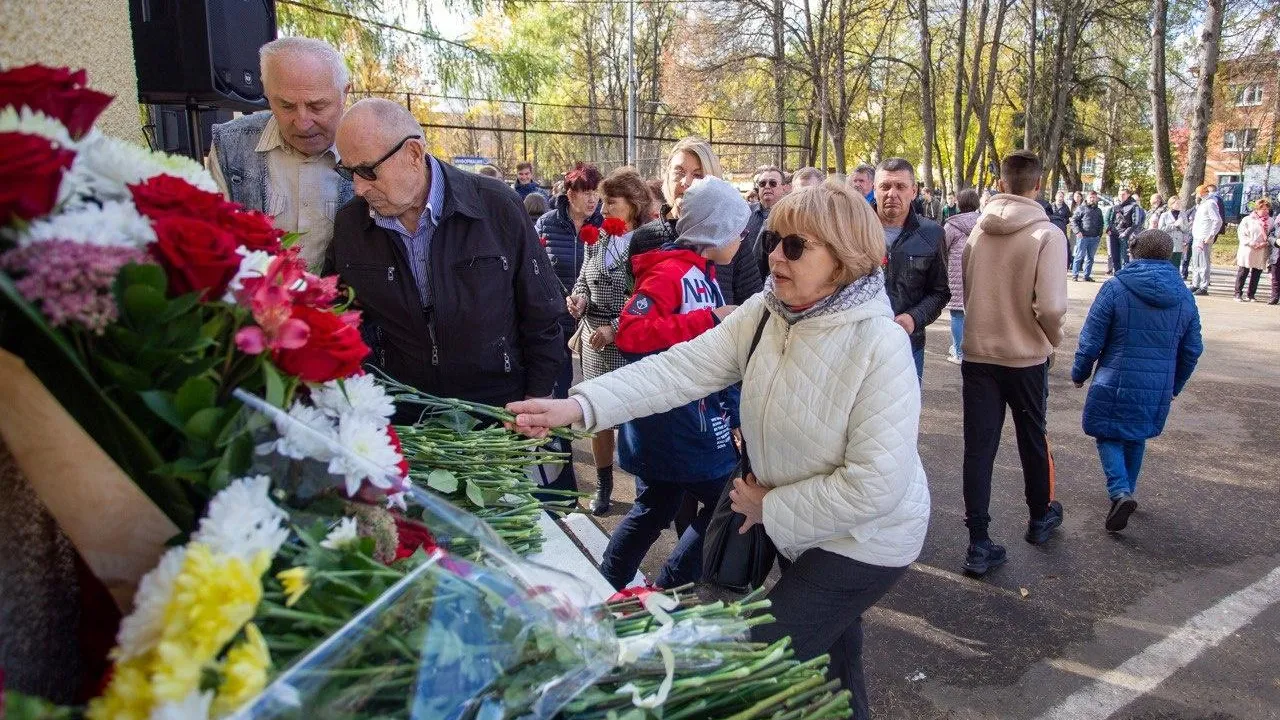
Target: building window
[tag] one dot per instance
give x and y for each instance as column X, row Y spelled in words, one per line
column 1249, row 94
column 1089, row 166
column 1243, row 139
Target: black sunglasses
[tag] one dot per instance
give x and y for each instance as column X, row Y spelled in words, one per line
column 368, row 172
column 793, row 246
column 767, row 183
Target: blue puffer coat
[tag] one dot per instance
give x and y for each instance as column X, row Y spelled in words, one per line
column 1143, row 332
column 561, row 240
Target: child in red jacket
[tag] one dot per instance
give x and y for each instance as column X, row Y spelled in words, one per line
column 689, row 449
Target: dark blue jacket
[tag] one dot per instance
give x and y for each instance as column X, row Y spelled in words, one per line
column 1143, row 332
column 528, row 189
column 561, row 240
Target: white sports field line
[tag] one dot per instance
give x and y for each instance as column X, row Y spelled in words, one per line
column 1141, row 673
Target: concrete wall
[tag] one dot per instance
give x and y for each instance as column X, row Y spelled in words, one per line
column 89, row 34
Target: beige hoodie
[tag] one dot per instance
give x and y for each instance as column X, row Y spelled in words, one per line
column 1015, row 284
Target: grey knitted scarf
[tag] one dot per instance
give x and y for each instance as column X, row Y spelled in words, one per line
column 852, row 295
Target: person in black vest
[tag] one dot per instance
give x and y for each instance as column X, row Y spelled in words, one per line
column 281, row 162
column 916, row 270
column 457, row 294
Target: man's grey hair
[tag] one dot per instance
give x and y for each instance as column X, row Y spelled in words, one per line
column 389, row 118
column 865, row 169
column 1151, row 245
column 808, row 173
column 318, row 49
column 897, row 164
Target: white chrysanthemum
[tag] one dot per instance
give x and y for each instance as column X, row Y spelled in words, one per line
column 30, row 122
column 140, row 631
column 242, row 521
column 254, row 264
column 363, row 396
column 195, row 706
column 400, row 499
column 370, row 456
column 342, row 535
column 106, row 166
column 112, row 224
column 303, row 434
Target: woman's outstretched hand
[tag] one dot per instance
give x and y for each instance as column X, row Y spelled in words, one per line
column 536, row 418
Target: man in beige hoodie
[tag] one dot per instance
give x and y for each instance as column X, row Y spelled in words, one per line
column 1015, row 296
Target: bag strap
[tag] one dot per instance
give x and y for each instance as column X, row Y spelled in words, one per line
column 755, row 340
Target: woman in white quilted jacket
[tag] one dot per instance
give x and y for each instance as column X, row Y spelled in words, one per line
column 830, row 415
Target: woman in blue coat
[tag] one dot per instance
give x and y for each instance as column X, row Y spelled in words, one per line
column 1143, row 335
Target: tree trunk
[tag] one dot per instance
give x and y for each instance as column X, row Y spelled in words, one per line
column 988, row 95
column 1160, row 100
column 593, row 120
column 1062, row 82
column 926, row 94
column 1197, row 142
column 1029, row 108
column 959, row 111
column 780, row 82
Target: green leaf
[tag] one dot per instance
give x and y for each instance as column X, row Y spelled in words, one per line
column 275, row 384
column 196, row 394
column 475, row 495
column 143, row 275
column 161, row 403
column 204, row 424
column 235, row 461
column 179, row 306
column 443, row 481
column 457, row 420
column 143, row 304
column 129, row 378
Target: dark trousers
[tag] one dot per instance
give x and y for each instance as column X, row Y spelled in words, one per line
column 1117, row 252
column 819, row 602
column 559, row 477
column 1186, row 261
column 1253, row 275
column 654, row 509
column 1275, row 282
column 987, row 390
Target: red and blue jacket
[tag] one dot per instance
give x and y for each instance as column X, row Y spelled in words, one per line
column 674, row 301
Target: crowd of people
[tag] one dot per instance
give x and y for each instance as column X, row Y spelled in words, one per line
column 787, row 328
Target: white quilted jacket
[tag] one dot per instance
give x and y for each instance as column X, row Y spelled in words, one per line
column 830, row 414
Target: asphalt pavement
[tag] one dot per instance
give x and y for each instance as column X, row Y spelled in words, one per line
column 1178, row 617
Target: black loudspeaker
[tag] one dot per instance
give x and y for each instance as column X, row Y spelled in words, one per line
column 171, row 132
column 201, row 52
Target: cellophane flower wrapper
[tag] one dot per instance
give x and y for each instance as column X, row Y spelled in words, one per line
column 472, row 631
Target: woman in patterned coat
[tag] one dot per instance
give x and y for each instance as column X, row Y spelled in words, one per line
column 602, row 288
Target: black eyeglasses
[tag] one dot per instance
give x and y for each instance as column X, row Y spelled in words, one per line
column 793, row 246
column 368, row 171
column 767, row 183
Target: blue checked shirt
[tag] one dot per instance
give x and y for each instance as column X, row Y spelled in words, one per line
column 418, row 244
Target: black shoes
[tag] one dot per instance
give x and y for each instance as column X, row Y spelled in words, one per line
column 983, row 555
column 1121, row 508
column 1088, row 279
column 1039, row 531
column 1200, row 291
column 601, row 503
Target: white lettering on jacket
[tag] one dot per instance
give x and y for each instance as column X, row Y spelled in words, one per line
column 699, row 292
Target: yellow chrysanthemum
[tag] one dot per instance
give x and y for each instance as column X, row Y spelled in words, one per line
column 296, row 582
column 213, row 597
column 244, row 674
column 128, row 697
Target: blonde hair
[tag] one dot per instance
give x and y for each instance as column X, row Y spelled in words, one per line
column 838, row 216
column 706, row 156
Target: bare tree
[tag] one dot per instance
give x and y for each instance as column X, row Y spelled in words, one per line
column 1210, row 35
column 926, row 93
column 1160, row 99
column 1028, row 111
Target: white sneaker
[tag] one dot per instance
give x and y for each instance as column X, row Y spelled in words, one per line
column 954, row 360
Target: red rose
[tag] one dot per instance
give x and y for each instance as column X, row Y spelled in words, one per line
column 165, row 195
column 542, row 239
column 615, row 226
column 252, row 229
column 589, row 234
column 31, row 169
column 196, row 256
column 56, row 92
column 395, row 443
column 412, row 535
column 333, row 350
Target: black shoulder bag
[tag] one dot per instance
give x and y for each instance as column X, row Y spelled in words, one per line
column 731, row 559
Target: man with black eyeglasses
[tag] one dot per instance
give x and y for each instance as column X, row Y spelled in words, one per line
column 458, row 295
column 770, row 187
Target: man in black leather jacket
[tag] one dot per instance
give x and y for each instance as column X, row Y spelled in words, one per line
column 916, row 269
